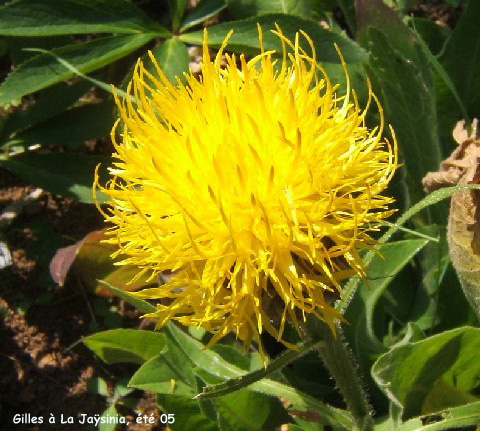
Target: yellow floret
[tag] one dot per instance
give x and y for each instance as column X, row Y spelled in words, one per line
column 253, row 183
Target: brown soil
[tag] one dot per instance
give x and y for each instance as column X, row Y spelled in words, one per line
column 41, row 373
column 438, row 11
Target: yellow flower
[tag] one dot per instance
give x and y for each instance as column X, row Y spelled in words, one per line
column 255, row 184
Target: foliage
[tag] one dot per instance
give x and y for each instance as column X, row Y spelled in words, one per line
column 411, row 330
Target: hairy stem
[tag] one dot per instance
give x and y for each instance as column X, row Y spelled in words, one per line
column 339, row 362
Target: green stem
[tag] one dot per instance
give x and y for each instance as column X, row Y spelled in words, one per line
column 339, row 362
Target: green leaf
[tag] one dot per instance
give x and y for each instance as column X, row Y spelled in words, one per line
column 431, row 199
column 417, row 302
column 403, row 81
column 100, row 84
column 205, row 359
column 106, row 424
column 409, row 373
column 18, row 47
column 245, row 37
column 348, row 10
column 298, row 401
column 97, row 386
column 121, row 388
column 453, row 308
column 162, row 376
column 443, row 395
column 275, row 365
column 69, row 128
column 461, row 58
column 188, row 415
column 66, row 174
column 142, row 305
column 381, row 271
column 168, row 373
column 3, row 47
column 215, row 366
column 454, row 417
column 461, row 61
column 433, row 262
column 207, row 407
column 177, row 9
column 224, row 425
column 447, row 83
column 49, row 18
column 367, row 316
column 304, row 425
column 246, row 8
column 326, row 5
column 126, row 345
column 172, row 56
column 44, row 70
column 231, row 354
column 243, row 410
column 50, row 103
column 433, row 34
column 203, row 11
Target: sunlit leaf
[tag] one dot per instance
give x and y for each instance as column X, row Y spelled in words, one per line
column 247, row 8
column 126, row 345
column 165, row 374
column 44, row 70
column 450, row 418
column 245, row 37
column 143, row 306
column 172, row 56
column 214, row 365
column 203, row 11
column 50, row 17
column 410, row 374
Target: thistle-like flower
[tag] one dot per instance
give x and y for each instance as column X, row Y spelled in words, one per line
column 254, row 184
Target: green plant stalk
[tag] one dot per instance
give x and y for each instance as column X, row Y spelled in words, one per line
column 339, row 362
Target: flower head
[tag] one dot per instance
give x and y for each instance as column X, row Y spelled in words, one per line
column 255, row 184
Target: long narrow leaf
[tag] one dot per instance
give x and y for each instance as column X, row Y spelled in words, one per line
column 245, row 37
column 444, row 75
column 41, row 18
column 72, row 68
column 429, row 200
column 277, row 364
column 142, row 305
column 43, row 70
column 214, row 365
column 204, row 10
column 454, row 417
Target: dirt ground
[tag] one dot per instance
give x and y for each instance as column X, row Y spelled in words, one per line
column 44, row 368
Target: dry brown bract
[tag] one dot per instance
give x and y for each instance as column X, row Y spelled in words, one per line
column 463, row 167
